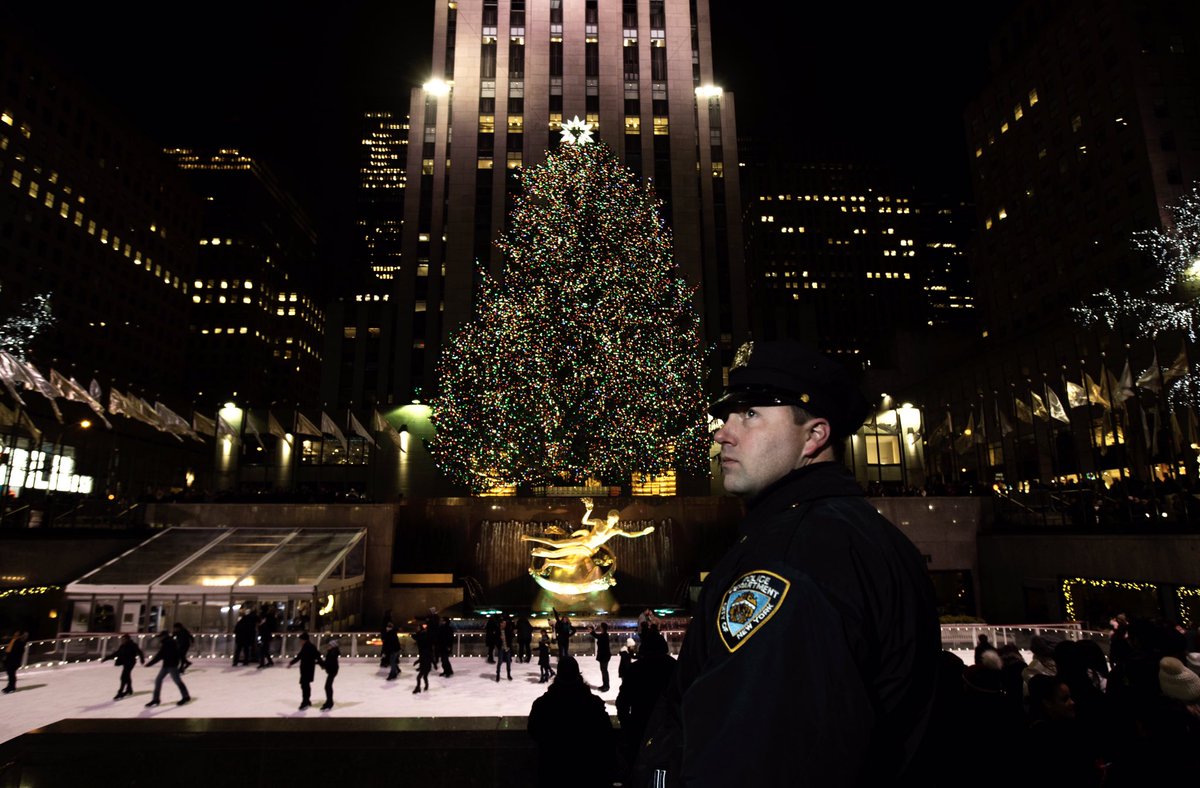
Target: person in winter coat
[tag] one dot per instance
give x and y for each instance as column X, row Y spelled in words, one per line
column 814, row 644
column 627, row 654
column 563, row 631
column 125, row 657
column 504, row 653
column 391, row 650
column 491, row 636
column 244, row 633
column 544, row 657
column 332, row 653
column 603, row 652
column 424, row 663
column 168, row 655
column 14, row 653
column 268, row 622
column 183, row 639
column 444, row 638
column 643, row 683
column 567, row 715
column 524, row 639
column 309, row 658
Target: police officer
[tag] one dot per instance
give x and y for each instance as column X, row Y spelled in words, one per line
column 811, row 656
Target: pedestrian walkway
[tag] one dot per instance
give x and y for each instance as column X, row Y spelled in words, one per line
column 74, row 691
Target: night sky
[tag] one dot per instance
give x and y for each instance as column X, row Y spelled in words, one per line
column 287, row 81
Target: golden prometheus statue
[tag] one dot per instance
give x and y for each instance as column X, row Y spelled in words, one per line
column 579, row 563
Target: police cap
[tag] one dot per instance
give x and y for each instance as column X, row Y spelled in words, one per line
column 787, row 373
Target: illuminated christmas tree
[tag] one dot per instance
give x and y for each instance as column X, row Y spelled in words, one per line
column 583, row 361
column 18, row 330
column 1172, row 301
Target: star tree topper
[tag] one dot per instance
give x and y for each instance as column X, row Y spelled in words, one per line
column 577, row 132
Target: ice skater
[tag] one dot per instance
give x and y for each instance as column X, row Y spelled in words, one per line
column 544, row 657
column 424, row 663
column 125, row 657
column 391, row 650
column 14, row 653
column 603, row 651
column 168, row 655
column 504, row 652
column 308, row 658
column 183, row 639
column 332, row 653
column 445, row 642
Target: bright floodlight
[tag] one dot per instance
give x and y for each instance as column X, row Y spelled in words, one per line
column 436, row 87
column 708, row 91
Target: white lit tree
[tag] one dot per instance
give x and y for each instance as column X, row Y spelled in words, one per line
column 1171, row 304
column 18, row 330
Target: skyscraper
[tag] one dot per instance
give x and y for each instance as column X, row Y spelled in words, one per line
column 381, row 180
column 255, row 324
column 505, row 75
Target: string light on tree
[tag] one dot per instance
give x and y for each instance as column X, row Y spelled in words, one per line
column 583, row 361
column 1172, row 302
column 17, row 331
column 577, row 132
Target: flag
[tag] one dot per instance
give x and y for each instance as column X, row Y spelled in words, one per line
column 27, row 375
column 1095, row 392
column 361, row 431
column 145, row 413
column 1077, row 396
column 274, row 427
column 1176, row 431
column 939, row 433
column 1039, row 407
column 304, row 426
column 329, row 428
column 1023, row 412
column 964, row 442
column 380, row 424
column 1178, row 368
column 95, row 390
column 20, row 419
column 71, row 390
column 1056, row 408
column 203, row 425
column 1126, row 383
column 173, row 422
column 116, row 403
column 11, row 373
column 252, row 428
column 224, row 428
column 1152, row 378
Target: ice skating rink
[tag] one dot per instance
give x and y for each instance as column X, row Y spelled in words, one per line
column 85, row 691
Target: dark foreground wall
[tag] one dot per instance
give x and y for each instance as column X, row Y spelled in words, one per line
column 471, row 752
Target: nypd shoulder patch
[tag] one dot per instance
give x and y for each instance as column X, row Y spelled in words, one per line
column 748, row 605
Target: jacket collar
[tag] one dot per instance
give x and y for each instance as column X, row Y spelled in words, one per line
column 801, row 486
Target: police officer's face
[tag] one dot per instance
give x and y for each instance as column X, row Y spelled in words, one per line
column 759, row 446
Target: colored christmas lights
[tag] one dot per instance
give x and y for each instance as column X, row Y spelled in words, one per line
column 584, row 359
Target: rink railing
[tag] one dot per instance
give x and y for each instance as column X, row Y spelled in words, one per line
column 90, row 647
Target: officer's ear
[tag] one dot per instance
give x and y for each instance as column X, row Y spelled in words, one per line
column 817, row 439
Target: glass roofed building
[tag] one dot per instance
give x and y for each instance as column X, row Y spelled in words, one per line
column 202, row 577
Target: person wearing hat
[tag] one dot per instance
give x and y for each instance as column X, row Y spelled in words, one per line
column 168, row 655
column 813, row 649
column 1177, row 682
column 309, row 658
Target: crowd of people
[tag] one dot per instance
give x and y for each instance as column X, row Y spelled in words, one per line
column 1072, row 715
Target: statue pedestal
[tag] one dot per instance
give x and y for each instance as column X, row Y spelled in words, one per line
column 587, row 604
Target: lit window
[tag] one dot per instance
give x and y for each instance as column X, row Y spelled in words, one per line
column 556, row 121
column 1004, row 127
column 1033, row 97
column 513, row 161
column 485, row 164
column 1018, row 112
column 33, row 189
column 633, row 124
column 16, row 178
column 1003, row 214
column 487, row 124
column 662, row 126
column 978, row 152
column 516, row 123
column 1076, row 123
column 427, row 166
column 987, row 223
